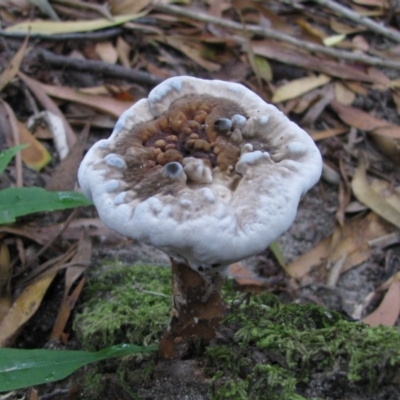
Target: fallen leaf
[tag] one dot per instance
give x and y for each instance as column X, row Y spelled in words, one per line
column 298, row 87
column 192, row 51
column 107, row 52
column 36, row 88
column 123, row 50
column 79, row 263
column 365, row 121
column 343, row 94
column 124, row 7
column 365, row 193
column 56, row 28
column 23, row 308
column 35, row 155
column 277, row 51
column 339, row 26
column 327, row 133
column 243, row 276
column 319, row 106
column 64, row 176
column 389, row 309
column 352, row 240
column 12, row 68
column 388, row 146
column 104, row 104
column 333, row 40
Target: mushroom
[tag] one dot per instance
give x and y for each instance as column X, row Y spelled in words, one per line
column 209, row 173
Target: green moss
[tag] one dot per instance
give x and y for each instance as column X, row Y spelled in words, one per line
column 278, row 348
column 278, row 352
column 125, row 305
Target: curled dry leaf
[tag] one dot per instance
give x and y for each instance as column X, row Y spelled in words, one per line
column 387, row 208
column 35, row 155
column 352, row 240
column 389, row 309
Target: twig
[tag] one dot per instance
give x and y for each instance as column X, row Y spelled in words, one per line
column 360, row 19
column 272, row 34
column 115, row 71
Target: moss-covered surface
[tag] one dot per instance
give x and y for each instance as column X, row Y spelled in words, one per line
column 265, row 350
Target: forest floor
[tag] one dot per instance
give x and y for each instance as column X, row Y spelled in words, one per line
column 335, row 72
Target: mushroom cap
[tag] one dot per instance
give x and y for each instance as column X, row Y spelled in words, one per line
column 219, row 195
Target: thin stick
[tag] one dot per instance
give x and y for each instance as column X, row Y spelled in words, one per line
column 270, row 33
column 360, row 19
column 115, row 71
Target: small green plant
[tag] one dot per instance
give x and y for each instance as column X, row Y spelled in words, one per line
column 17, row 202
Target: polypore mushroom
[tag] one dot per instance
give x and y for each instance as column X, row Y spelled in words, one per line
column 207, row 172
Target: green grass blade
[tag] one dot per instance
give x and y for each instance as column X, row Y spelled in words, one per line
column 16, row 202
column 24, row 368
column 7, row 155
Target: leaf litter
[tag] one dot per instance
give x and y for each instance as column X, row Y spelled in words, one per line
column 341, row 86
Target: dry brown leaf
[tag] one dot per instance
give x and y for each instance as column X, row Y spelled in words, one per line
column 362, row 120
column 372, row 3
column 388, row 146
column 360, row 43
column 243, row 276
column 35, row 155
column 318, row 107
column 298, row 87
column 6, row 271
column 107, row 52
column 36, row 88
column 191, row 50
column 23, row 308
column 313, row 32
column 396, row 99
column 343, row 94
column 32, row 394
column 374, row 200
column 106, row 105
column 389, row 309
column 123, row 50
column 79, row 264
column 12, row 68
column 342, row 28
column 356, row 87
column 123, row 7
column 276, row 22
column 65, row 174
column 277, row 51
column 352, row 240
column 327, row 133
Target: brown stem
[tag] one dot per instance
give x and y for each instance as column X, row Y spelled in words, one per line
column 197, row 310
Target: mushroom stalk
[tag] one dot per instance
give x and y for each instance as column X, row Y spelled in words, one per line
column 197, row 309
column 207, row 172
